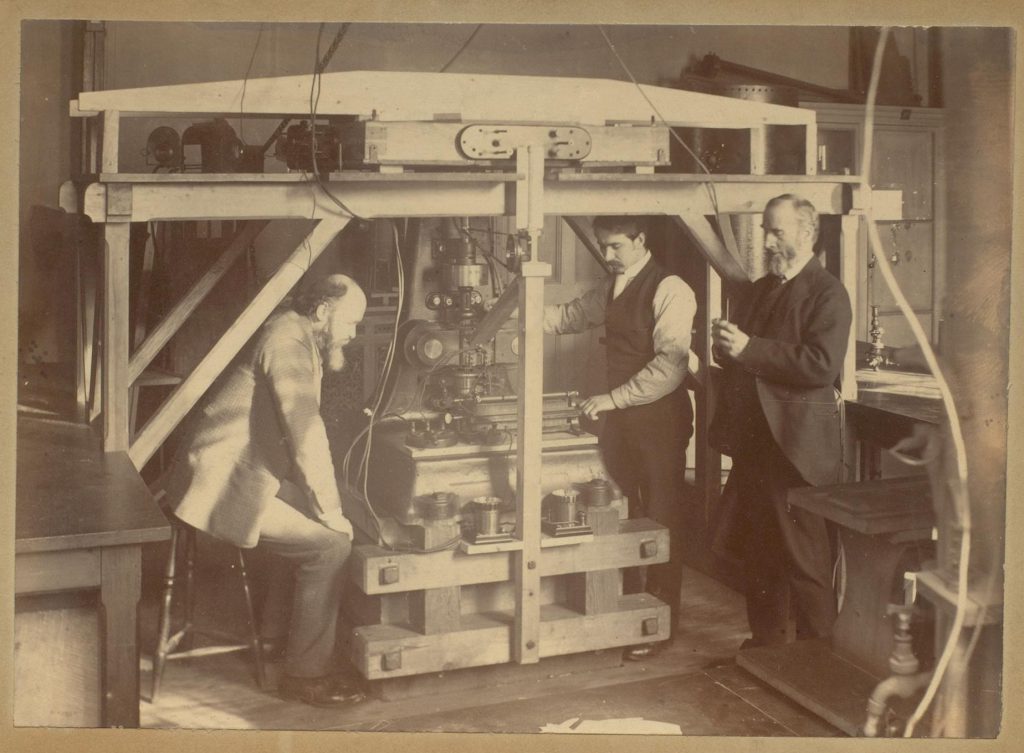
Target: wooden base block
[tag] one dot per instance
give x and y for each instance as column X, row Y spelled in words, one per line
column 595, row 593
column 603, row 520
column 435, row 610
column 380, row 651
column 473, row 678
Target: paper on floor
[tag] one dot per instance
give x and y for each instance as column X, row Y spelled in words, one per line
column 632, row 726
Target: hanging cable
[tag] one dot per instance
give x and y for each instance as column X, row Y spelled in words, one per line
column 245, row 83
column 314, row 100
column 461, row 49
column 959, row 493
column 363, row 469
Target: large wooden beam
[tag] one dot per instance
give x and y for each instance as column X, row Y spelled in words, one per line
column 192, row 388
column 475, row 195
column 172, row 322
column 260, row 199
column 724, row 262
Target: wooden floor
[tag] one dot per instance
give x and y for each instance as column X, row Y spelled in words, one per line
column 695, row 685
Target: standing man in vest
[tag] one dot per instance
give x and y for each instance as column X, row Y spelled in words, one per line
column 256, row 469
column 778, row 416
column 648, row 316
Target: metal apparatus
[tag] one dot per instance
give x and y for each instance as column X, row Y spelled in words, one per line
column 456, row 391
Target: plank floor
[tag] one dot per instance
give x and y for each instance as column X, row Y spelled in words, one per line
column 695, row 684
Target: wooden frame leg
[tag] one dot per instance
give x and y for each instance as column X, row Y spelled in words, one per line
column 120, row 589
column 116, row 330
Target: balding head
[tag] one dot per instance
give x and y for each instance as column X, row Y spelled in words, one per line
column 334, row 305
column 331, row 290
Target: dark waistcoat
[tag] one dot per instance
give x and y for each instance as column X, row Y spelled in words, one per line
column 629, row 325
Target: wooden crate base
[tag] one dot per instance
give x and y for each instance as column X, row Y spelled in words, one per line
column 383, row 651
column 478, row 678
column 378, row 571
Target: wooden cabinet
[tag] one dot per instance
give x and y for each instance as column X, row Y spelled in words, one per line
column 907, row 155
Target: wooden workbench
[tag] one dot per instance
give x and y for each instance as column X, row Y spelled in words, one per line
column 82, row 517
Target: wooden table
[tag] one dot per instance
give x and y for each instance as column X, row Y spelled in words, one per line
column 81, row 519
column 888, row 406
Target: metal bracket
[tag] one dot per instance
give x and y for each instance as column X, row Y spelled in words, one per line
column 388, row 575
column 391, row 661
column 501, row 142
column 648, row 548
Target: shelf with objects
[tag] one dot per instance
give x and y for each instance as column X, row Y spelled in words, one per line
column 486, row 541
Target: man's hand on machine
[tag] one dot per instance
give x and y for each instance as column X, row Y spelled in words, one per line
column 595, row 405
column 334, row 520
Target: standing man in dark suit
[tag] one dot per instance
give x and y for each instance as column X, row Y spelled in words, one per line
column 778, row 416
column 257, row 469
column 648, row 316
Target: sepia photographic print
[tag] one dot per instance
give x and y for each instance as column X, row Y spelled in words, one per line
column 454, row 378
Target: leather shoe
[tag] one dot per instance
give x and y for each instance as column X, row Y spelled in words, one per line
column 645, row 650
column 325, row 691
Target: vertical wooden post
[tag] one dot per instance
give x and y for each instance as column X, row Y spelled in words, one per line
column 811, row 149
column 526, row 632
column 111, row 141
column 115, row 337
column 758, row 150
column 525, row 646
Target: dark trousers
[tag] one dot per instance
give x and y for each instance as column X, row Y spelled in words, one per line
column 304, row 589
column 785, row 549
column 644, row 450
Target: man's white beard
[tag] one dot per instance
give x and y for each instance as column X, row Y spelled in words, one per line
column 777, row 263
column 334, row 359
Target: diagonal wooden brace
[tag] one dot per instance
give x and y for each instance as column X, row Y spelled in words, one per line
column 177, row 316
column 192, row 388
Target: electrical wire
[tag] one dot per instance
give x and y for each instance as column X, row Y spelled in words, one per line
column 363, row 470
column 461, row 49
column 959, row 494
column 314, row 101
column 245, row 83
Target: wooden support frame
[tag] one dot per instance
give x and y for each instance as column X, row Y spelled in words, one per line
column 528, row 194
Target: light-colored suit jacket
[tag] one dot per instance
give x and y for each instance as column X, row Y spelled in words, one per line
column 258, row 429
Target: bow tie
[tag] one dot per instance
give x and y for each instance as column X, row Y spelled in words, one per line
column 775, row 280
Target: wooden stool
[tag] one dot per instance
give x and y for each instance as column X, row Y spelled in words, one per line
column 185, row 535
